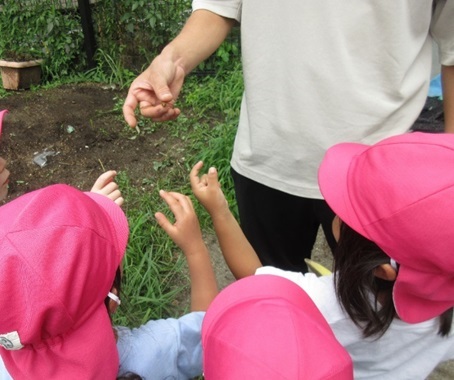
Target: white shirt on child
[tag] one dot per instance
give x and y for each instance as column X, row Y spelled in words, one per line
column 405, row 351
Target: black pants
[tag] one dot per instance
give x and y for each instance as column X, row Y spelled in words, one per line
column 281, row 227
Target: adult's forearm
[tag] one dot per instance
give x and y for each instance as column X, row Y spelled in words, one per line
column 202, row 34
column 447, row 75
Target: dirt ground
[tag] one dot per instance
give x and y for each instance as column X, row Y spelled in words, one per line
column 77, row 123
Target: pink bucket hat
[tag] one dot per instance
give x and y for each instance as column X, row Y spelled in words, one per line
column 59, row 252
column 399, row 193
column 267, row 327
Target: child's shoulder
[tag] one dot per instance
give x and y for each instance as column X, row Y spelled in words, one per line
column 319, row 288
column 307, row 281
column 159, row 343
column 161, row 328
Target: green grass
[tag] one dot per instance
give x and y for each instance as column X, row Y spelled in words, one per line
column 152, row 265
column 153, row 275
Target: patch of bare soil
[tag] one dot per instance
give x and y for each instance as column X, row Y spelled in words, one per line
column 78, row 124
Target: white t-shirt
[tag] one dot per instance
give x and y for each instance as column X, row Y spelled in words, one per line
column 405, row 351
column 317, row 73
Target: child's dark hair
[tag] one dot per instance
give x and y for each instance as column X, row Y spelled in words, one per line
column 355, row 259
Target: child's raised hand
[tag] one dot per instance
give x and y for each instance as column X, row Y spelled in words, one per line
column 4, row 179
column 207, row 190
column 185, row 232
column 105, row 185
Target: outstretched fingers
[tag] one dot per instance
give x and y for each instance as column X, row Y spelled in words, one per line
column 201, row 182
column 186, row 226
column 212, row 177
column 106, row 186
column 194, row 175
column 104, row 179
column 178, row 203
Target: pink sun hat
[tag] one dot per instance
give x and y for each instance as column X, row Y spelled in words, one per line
column 59, row 251
column 2, row 114
column 267, row 327
column 399, row 194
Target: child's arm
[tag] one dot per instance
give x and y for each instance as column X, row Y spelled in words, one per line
column 4, row 179
column 238, row 252
column 186, row 233
column 105, row 185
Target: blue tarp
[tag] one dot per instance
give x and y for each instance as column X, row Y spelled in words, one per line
column 435, row 87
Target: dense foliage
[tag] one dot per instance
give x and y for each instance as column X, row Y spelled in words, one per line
column 127, row 34
column 39, row 29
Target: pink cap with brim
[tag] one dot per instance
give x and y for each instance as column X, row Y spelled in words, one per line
column 398, row 193
column 2, row 114
column 267, row 327
column 59, row 251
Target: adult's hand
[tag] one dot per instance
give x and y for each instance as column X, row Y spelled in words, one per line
column 155, row 91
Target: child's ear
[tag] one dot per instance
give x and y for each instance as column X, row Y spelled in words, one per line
column 385, row 272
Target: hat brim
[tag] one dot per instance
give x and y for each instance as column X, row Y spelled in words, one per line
column 117, row 218
column 416, row 307
column 87, row 352
column 334, row 181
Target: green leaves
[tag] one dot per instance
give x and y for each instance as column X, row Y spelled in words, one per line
column 128, row 35
column 38, row 29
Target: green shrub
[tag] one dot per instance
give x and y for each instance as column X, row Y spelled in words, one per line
column 128, row 35
column 39, row 29
column 134, row 31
